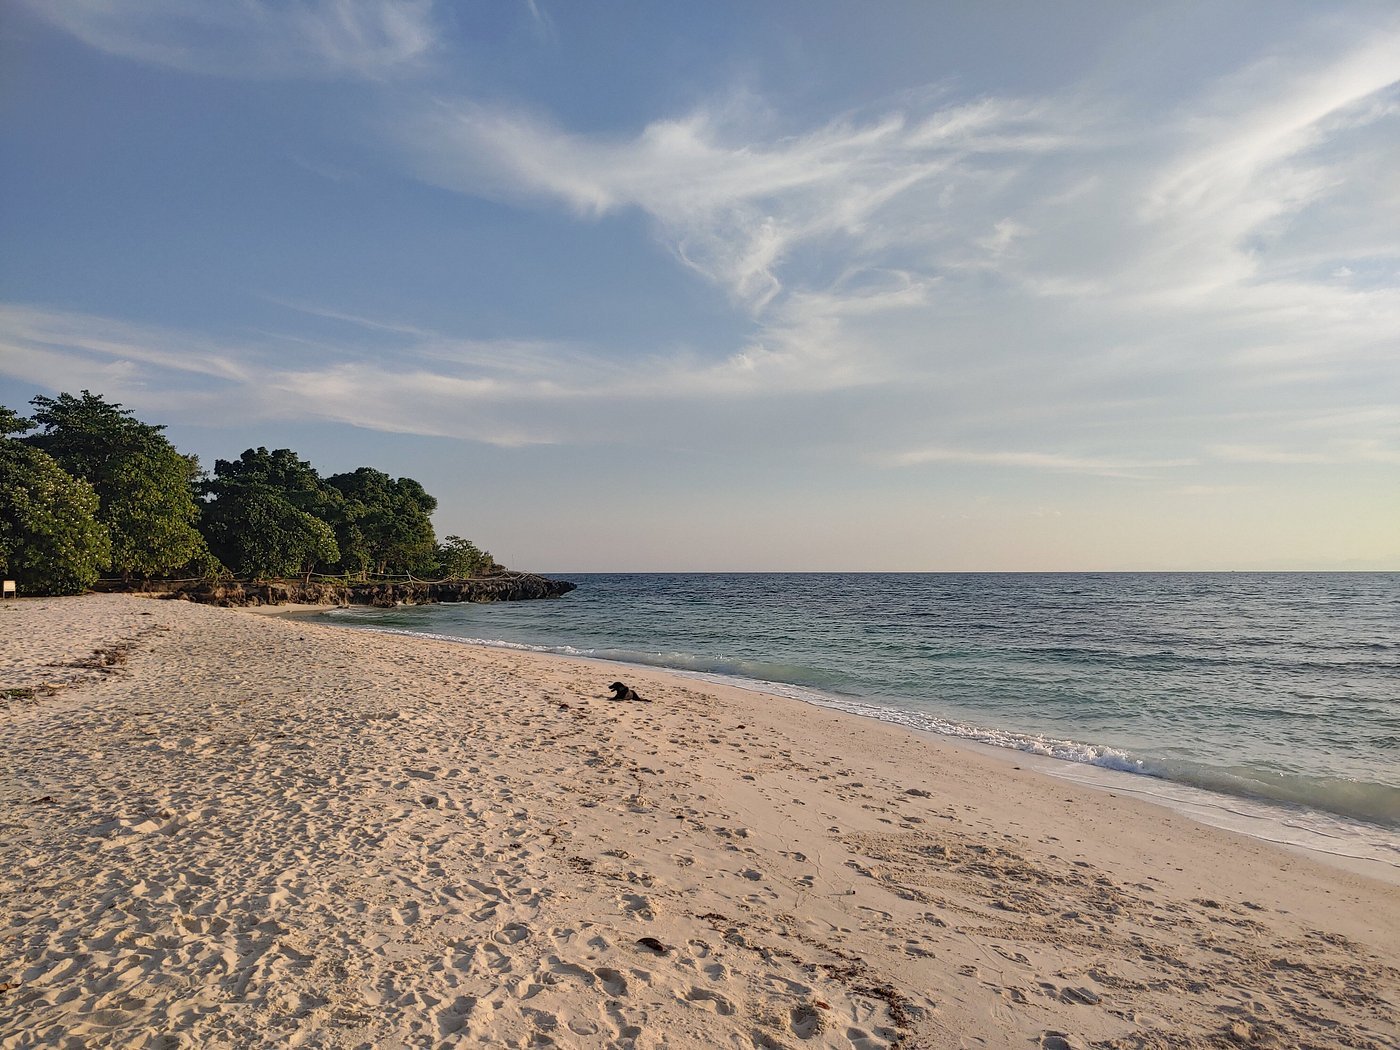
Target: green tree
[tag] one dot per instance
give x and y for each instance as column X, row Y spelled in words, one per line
column 143, row 484
column 460, row 558
column 261, row 517
column 386, row 523
column 50, row 539
column 11, row 422
column 258, row 534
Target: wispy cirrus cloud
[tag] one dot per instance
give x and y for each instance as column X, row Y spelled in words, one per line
column 1089, row 244
column 1030, row 460
column 37, row 334
column 1007, row 282
column 256, row 38
column 402, row 378
column 1254, row 157
column 383, row 375
column 733, row 206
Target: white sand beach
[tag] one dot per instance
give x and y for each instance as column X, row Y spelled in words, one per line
column 219, row 829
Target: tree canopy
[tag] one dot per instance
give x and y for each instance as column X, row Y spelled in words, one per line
column 384, row 522
column 460, row 559
column 85, row 486
column 50, row 539
column 143, row 484
column 261, row 517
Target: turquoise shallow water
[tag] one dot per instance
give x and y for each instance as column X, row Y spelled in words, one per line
column 1283, row 688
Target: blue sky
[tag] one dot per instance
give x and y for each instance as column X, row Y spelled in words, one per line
column 739, row 286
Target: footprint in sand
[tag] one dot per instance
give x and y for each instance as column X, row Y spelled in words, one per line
column 455, row 1017
column 493, row 960
column 1015, row 957
column 807, row 1021
column 711, row 1000
column 558, row 969
column 512, row 933
column 1075, row 996
column 613, row 982
column 1081, row 996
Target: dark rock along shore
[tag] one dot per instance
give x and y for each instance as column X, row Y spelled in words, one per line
column 507, row 587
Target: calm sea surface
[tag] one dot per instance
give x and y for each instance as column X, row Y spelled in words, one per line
column 1281, row 688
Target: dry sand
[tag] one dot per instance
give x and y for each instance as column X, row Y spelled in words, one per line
column 232, row 830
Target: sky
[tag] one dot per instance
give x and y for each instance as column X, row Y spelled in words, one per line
column 729, row 286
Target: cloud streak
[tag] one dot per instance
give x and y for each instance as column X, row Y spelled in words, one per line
column 925, row 244
column 315, row 39
column 1056, row 285
column 1043, row 461
column 732, row 207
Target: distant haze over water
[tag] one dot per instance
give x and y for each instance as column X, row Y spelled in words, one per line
column 1268, row 686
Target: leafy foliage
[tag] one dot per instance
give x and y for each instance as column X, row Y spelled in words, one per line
column 460, row 559
column 143, row 484
column 258, row 519
column 50, row 539
column 385, row 524
column 11, row 422
column 97, row 487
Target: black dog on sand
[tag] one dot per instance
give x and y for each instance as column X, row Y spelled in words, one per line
column 626, row 692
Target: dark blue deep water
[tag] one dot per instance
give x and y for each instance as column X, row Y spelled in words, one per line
column 1276, row 686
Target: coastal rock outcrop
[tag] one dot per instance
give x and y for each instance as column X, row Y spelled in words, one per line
column 503, row 587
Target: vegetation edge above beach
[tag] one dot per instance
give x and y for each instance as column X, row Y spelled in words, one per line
column 504, row 586
column 91, row 496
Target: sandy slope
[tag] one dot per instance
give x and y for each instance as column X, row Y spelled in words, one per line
column 252, row 831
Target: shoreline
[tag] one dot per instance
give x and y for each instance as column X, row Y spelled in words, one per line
column 1348, row 842
column 257, row 828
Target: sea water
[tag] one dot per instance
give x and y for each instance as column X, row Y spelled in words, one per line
column 1265, row 701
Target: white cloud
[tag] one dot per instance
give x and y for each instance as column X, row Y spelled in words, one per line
column 37, row 333
column 1049, row 285
column 733, row 207
column 387, row 376
column 1047, row 245
column 1106, row 467
column 255, row 38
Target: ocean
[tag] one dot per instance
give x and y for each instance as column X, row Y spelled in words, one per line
column 1266, row 702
